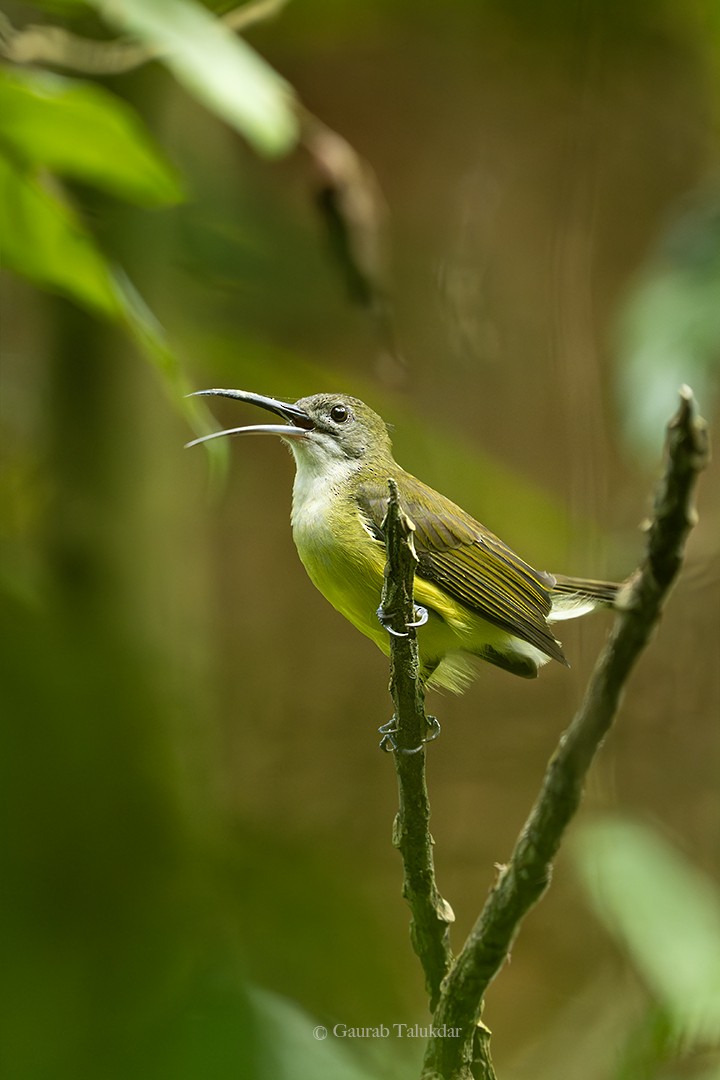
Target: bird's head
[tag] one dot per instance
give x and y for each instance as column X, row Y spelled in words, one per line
column 323, row 430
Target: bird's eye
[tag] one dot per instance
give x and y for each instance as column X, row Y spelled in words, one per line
column 339, row 413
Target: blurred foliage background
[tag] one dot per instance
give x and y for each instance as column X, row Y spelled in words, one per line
column 196, row 820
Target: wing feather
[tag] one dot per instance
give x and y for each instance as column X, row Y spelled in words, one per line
column 470, row 563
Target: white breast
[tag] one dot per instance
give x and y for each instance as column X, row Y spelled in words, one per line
column 317, row 492
column 313, row 492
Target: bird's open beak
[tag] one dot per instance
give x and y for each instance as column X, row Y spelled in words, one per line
column 297, row 422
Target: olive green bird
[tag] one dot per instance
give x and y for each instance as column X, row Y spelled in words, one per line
column 478, row 598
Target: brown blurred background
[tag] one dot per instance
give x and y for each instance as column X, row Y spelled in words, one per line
column 195, row 790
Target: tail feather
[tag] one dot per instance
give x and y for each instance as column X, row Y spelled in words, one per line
column 572, row 597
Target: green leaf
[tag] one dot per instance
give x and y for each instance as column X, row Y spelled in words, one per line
column 80, row 130
column 217, row 67
column 665, row 913
column 43, row 240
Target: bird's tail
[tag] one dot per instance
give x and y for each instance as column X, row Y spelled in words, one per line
column 572, row 597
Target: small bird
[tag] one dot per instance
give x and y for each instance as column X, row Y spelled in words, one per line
column 479, row 599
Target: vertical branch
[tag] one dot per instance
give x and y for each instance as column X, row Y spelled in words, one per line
column 522, row 882
column 431, row 915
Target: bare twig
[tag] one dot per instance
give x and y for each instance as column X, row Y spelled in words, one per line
column 525, row 878
column 60, row 48
column 431, row 915
column 354, row 213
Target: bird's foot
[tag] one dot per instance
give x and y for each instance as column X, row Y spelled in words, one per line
column 421, row 617
column 390, row 730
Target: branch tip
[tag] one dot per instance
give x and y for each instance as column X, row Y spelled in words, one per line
column 520, row 884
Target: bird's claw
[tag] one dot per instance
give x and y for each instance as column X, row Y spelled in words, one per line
column 390, row 730
column 421, row 617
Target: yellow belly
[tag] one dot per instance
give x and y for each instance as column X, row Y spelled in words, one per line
column 350, row 577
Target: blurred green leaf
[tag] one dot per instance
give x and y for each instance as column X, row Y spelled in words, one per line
column 43, row 240
column 80, row 130
column 214, row 65
column 670, row 328
column 665, row 913
column 150, row 337
column 295, row 1048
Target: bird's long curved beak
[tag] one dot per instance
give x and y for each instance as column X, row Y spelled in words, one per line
column 297, row 422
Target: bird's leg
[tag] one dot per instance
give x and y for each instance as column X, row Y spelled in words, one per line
column 421, row 617
column 390, row 730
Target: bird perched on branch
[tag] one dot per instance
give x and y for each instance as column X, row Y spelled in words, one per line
column 476, row 597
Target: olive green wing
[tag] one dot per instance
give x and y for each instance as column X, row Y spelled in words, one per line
column 461, row 556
